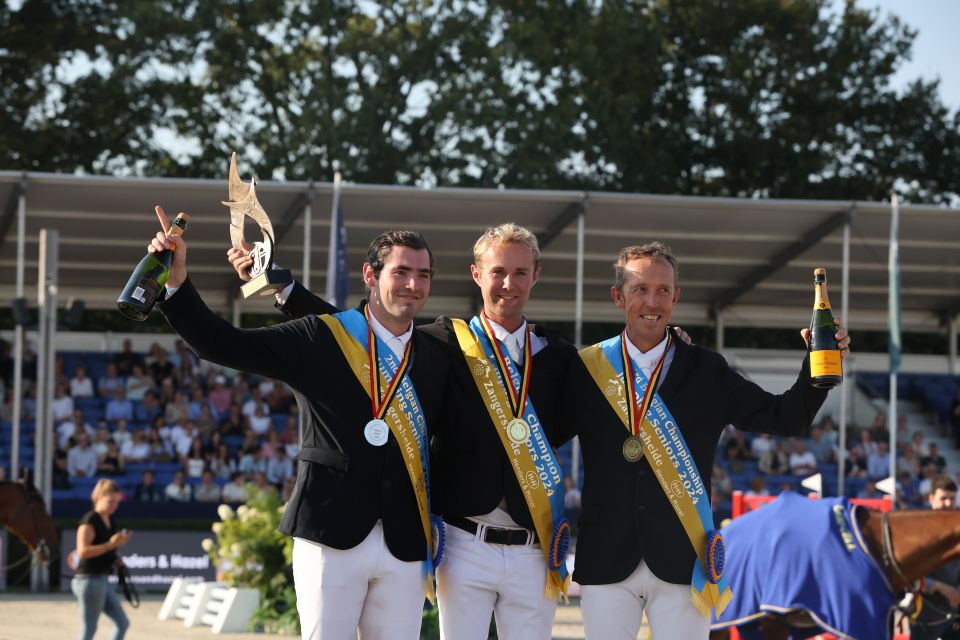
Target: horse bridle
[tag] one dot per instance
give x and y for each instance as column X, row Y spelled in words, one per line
column 42, row 547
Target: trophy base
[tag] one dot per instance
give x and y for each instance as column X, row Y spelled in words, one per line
column 267, row 283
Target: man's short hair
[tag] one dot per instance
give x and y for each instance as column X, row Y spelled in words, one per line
column 652, row 250
column 945, row 483
column 503, row 234
column 379, row 249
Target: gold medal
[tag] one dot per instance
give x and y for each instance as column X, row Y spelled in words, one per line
column 518, row 431
column 632, row 449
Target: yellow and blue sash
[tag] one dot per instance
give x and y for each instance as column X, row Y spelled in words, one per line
column 404, row 417
column 673, row 465
column 533, row 462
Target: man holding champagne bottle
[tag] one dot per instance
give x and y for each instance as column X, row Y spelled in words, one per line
column 371, row 389
column 649, row 410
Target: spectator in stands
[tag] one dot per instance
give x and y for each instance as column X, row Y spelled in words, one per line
column 279, row 398
column 61, row 477
column 178, row 490
column 821, row 449
column 121, row 435
column 207, row 490
column 233, row 423
column 866, row 444
column 159, row 449
column 903, row 432
column 919, row 444
column 148, row 409
column 81, row 459
column 940, row 587
column 6, row 413
column 933, row 457
column 908, row 491
column 279, row 468
column 908, row 461
column 178, row 411
column 136, row 449
column 223, row 464
column 261, row 482
column 928, row 477
column 206, row 423
column 183, row 440
column 774, row 461
column 870, row 491
column 211, row 444
column 138, row 383
column 878, row 463
column 62, row 406
column 119, row 408
column 159, row 365
column 856, row 466
column 259, row 422
column 271, row 444
column 760, row 444
column 195, row 462
column 100, row 438
column 80, row 385
column 111, row 462
column 220, row 395
column 147, row 491
column 256, row 400
column 722, row 484
column 197, row 400
column 736, row 449
column 250, row 440
column 69, row 429
column 955, row 419
column 758, row 487
column 167, row 390
column 186, row 372
column 802, row 462
column 110, row 384
column 236, row 490
column 127, row 359
column 571, row 494
column 253, row 461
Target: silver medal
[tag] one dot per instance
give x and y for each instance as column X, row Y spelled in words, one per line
column 376, row 432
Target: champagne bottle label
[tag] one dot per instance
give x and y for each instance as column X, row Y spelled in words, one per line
column 146, row 291
column 825, row 363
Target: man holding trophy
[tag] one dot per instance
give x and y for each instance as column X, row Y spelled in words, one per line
column 370, row 390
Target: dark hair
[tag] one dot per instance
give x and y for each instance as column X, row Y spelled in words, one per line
column 943, row 482
column 379, row 249
column 652, row 250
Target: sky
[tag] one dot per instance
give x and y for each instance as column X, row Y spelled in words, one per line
column 936, row 49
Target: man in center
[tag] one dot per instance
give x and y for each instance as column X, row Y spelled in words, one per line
column 495, row 478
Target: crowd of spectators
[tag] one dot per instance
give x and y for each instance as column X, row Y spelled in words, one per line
column 753, row 459
column 172, row 418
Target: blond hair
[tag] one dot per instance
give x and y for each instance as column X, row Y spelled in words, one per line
column 652, row 250
column 104, row 487
column 503, row 234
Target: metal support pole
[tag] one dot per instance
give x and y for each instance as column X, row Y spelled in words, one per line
column 18, row 335
column 844, row 397
column 307, row 237
column 578, row 334
column 952, row 339
column 719, row 321
column 46, row 374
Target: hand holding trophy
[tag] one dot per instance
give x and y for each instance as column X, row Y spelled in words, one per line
column 262, row 276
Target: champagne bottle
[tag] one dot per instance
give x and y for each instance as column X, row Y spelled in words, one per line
column 150, row 276
column 825, row 368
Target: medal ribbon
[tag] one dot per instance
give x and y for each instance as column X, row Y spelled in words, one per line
column 403, row 412
column 519, row 387
column 380, row 403
column 666, row 451
column 534, row 463
column 635, row 417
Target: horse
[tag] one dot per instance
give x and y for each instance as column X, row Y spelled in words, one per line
column 773, row 564
column 23, row 512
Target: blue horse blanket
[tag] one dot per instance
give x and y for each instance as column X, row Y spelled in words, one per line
column 795, row 553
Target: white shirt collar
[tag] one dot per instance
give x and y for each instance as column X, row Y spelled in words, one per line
column 647, row 361
column 514, row 340
column 396, row 343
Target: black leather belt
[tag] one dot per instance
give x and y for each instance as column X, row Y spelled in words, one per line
column 495, row 535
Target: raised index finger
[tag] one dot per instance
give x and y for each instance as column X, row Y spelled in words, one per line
column 164, row 221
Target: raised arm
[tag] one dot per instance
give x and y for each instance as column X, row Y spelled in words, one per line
column 297, row 300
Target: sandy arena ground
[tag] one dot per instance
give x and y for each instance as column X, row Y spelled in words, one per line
column 55, row 617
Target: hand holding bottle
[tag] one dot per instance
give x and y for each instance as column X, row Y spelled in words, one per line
column 163, row 241
column 842, row 336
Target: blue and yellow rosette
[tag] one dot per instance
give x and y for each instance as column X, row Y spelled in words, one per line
column 716, row 556
column 559, row 544
column 439, row 538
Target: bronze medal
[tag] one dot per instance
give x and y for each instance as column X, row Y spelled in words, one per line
column 632, row 449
